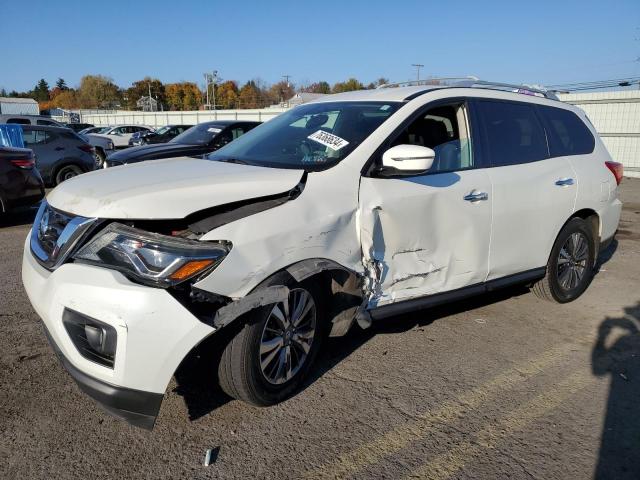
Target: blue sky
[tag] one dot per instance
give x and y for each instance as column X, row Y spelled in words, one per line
column 532, row 42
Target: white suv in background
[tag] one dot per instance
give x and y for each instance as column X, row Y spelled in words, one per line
column 121, row 134
column 356, row 207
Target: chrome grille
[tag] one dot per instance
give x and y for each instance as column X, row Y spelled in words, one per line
column 55, row 234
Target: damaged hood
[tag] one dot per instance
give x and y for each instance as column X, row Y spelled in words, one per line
column 166, row 189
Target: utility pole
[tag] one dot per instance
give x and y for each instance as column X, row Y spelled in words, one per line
column 214, row 80
column 418, row 67
column 286, row 78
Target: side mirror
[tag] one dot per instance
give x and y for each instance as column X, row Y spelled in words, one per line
column 408, row 158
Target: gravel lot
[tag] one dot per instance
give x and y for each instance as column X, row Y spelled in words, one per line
column 500, row 386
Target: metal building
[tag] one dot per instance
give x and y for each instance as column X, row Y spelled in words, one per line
column 19, row 106
column 616, row 116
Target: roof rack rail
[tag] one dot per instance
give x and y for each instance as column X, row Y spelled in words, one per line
column 475, row 82
column 510, row 87
column 434, row 81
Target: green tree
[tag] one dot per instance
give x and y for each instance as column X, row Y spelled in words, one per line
column 317, row 87
column 61, row 84
column 41, row 91
column 347, row 86
column 98, row 91
column 3, row 92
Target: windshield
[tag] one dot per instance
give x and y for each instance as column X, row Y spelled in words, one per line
column 198, row 135
column 104, row 130
column 311, row 137
column 162, row 130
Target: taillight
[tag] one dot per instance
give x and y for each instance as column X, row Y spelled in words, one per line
column 87, row 148
column 24, row 162
column 617, row 169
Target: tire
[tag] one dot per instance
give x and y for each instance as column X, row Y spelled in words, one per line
column 66, row 172
column 100, row 158
column 247, row 374
column 570, row 265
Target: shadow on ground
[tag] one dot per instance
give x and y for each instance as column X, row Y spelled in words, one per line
column 616, row 354
column 19, row 217
column 197, row 380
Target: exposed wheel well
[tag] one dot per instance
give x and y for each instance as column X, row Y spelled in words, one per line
column 592, row 218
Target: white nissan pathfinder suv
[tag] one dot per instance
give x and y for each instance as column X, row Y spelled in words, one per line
column 355, row 207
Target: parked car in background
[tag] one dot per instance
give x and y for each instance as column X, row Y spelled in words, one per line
column 120, row 134
column 103, row 146
column 99, row 129
column 30, row 120
column 198, row 140
column 78, row 127
column 20, row 181
column 60, row 152
column 161, row 135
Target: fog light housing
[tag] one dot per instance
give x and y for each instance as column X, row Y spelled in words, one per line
column 95, row 340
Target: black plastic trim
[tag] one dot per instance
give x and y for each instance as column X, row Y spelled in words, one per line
column 137, row 407
column 430, row 301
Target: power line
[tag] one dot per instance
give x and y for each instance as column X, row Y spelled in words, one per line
column 594, row 85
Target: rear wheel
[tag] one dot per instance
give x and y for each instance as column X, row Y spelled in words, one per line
column 270, row 356
column 570, row 266
column 100, row 158
column 66, row 172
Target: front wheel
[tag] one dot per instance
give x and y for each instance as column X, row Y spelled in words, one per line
column 269, row 358
column 570, row 266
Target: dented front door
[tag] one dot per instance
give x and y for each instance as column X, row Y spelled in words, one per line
column 424, row 234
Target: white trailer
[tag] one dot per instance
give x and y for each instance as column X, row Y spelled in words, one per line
column 19, row 106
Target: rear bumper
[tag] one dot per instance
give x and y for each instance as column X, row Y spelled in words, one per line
column 24, row 191
column 135, row 406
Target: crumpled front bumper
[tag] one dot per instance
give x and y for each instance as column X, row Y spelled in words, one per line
column 154, row 333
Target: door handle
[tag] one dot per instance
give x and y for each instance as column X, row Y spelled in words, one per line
column 565, row 182
column 476, row 196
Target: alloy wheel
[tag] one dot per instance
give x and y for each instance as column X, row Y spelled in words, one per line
column 287, row 337
column 572, row 261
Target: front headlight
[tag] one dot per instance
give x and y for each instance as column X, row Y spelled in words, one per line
column 151, row 258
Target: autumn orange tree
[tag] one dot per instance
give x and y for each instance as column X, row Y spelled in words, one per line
column 183, row 96
column 250, row 96
column 227, row 95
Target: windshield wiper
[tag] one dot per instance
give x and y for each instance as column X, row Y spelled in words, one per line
column 234, row 160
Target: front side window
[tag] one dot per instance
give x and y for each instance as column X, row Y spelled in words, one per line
column 311, row 137
column 568, row 135
column 444, row 129
column 512, row 133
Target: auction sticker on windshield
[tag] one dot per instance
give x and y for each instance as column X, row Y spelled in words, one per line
column 214, row 130
column 327, row 139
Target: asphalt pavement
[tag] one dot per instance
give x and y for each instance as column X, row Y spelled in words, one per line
column 501, row 386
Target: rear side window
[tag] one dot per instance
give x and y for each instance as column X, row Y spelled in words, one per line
column 512, row 133
column 46, row 122
column 568, row 135
column 36, row 137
